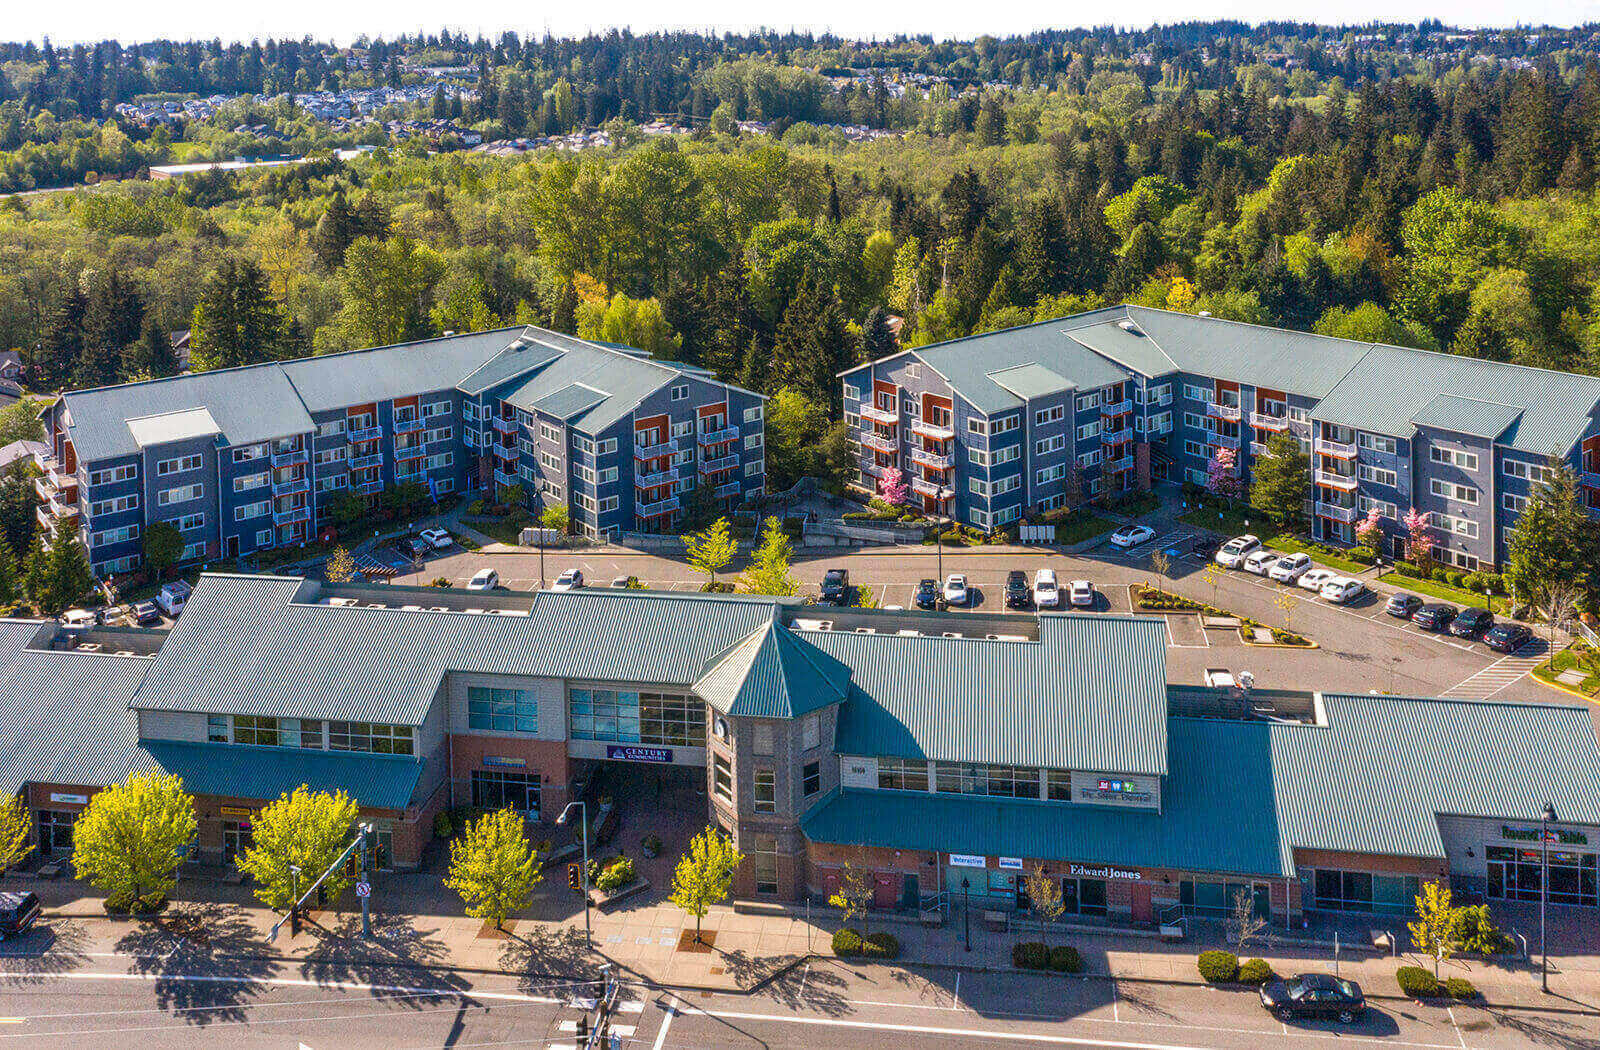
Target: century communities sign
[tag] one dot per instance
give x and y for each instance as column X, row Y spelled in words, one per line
column 1107, row 872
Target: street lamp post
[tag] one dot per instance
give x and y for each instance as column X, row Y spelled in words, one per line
column 583, row 815
column 966, row 910
column 294, row 899
column 1546, row 818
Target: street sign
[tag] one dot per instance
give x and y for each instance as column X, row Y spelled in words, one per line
column 363, row 889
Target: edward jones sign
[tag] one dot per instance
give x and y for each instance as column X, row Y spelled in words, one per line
column 1105, row 873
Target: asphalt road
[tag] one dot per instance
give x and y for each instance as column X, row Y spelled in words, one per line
column 119, row 1002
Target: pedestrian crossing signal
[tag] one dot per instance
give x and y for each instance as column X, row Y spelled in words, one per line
column 572, row 877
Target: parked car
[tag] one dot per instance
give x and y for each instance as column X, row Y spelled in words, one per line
column 1019, row 595
column 1290, row 568
column 571, row 580
column 1402, row 605
column 927, row 596
column 955, row 589
column 438, row 539
column 1203, row 548
column 1507, row 637
column 1312, row 580
column 1342, row 589
column 1261, row 562
column 1313, row 995
column 146, row 613
column 1471, row 623
column 1236, row 550
column 1081, row 593
column 112, row 614
column 484, row 580
column 1131, row 535
column 416, row 548
column 18, row 913
column 1046, row 591
column 1434, row 617
column 173, row 595
column 626, row 583
column 79, row 618
column 836, row 586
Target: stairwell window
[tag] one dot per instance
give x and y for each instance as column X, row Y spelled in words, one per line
column 721, row 778
column 766, row 791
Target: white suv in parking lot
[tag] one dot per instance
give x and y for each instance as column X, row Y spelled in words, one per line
column 1235, row 550
column 1046, row 591
column 1261, row 562
column 1290, row 568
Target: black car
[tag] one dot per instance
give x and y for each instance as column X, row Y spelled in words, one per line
column 1402, row 605
column 1471, row 623
column 1434, row 617
column 146, row 613
column 927, row 594
column 1204, row 548
column 1507, row 637
column 18, row 913
column 1313, row 995
column 1019, row 592
column 836, row 586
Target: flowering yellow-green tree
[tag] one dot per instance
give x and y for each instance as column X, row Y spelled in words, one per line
column 129, row 841
column 306, row 830
column 493, row 866
column 705, row 874
column 15, row 828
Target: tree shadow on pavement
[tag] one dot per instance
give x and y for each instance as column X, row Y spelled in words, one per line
column 51, row 947
column 208, row 962
column 398, row 957
column 549, row 954
column 817, row 985
column 1545, row 1030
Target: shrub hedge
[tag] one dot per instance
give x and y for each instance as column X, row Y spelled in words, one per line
column 1417, row 982
column 1256, row 971
column 848, row 943
column 1030, row 955
column 149, row 904
column 1218, row 967
column 1064, row 958
column 1460, row 988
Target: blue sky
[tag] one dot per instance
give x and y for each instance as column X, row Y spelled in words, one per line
column 97, row 19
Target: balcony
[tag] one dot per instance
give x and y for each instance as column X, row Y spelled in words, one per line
column 1220, row 411
column 1342, row 449
column 1225, row 440
column 656, row 480
column 1259, row 448
column 877, row 441
column 363, row 462
column 656, row 509
column 355, row 437
column 506, row 426
column 933, row 431
column 931, row 488
column 46, row 522
column 1117, row 466
column 291, row 516
column 367, row 488
column 1262, row 421
column 880, row 415
column 873, row 468
column 413, row 452
column 1589, row 479
column 656, row 451
column 1337, row 512
column 730, row 489
column 413, row 474
column 504, row 479
column 292, row 487
column 933, row 460
column 292, row 458
column 718, row 465
column 1346, row 482
column 1117, row 408
column 408, row 426
column 717, row 437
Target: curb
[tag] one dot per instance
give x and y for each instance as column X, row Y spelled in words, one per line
column 1563, row 689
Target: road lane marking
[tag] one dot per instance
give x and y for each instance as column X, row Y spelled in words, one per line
column 295, row 982
column 666, row 1023
column 966, row 1033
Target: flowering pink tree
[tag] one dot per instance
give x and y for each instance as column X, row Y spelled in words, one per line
column 893, row 488
column 1370, row 532
column 1222, row 478
column 1419, row 541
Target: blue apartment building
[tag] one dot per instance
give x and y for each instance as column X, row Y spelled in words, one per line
column 247, row 459
column 993, row 427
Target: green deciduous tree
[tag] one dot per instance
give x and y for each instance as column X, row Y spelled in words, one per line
column 768, row 571
column 638, row 323
column 795, row 427
column 306, row 829
column 712, row 550
column 16, row 827
column 128, row 842
column 1279, row 480
column 163, row 543
column 704, row 875
column 385, row 286
column 340, row 567
column 1435, row 930
column 493, row 866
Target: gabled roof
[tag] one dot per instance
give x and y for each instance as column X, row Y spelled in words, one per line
column 570, row 401
column 772, row 674
column 970, row 365
column 380, row 373
column 1467, row 415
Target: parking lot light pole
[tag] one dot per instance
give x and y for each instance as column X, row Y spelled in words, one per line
column 966, row 911
column 583, row 815
column 1546, row 818
column 294, row 899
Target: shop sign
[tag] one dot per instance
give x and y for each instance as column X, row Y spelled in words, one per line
column 71, row 800
column 967, row 860
column 1011, row 863
column 1570, row 838
column 233, row 812
column 631, row 753
column 1107, row 872
column 499, row 760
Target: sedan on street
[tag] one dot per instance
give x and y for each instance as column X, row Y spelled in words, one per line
column 928, row 594
column 955, row 589
column 1434, row 617
column 1342, row 589
column 1313, row 995
column 1471, row 623
column 1131, row 535
column 571, row 580
column 1402, row 605
column 1081, row 594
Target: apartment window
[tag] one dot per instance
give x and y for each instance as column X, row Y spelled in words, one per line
column 1006, row 484
column 908, row 405
column 179, row 494
column 753, row 414
column 1450, row 490
column 1088, row 431
column 245, row 453
column 1377, row 475
column 1299, row 415
column 1385, row 508
column 1454, row 457
column 721, row 778
column 753, row 440
column 189, row 522
column 680, row 392
column 178, row 465
column 251, row 510
column 332, row 428
column 766, row 791
column 442, row 459
column 608, row 504
column 585, row 474
column 549, row 462
column 977, row 426
column 754, row 467
column 852, row 392
column 980, row 518
column 914, row 370
column 438, row 434
column 1199, row 393
column 1454, row 525
column 1049, row 415
column 1514, row 503
column 264, row 538
column 1196, row 422
column 333, row 484
column 375, row 737
column 1049, row 445
column 550, row 433
column 332, row 455
column 1377, row 443
column 764, row 862
column 810, row 778
column 1089, row 459
column 250, row 481
column 1533, row 473
column 606, row 447
column 192, row 551
column 1049, row 474
column 1460, row 559
column 1195, row 448
column 978, row 487
column 1006, row 424
column 1088, row 401
column 114, row 506
column 810, row 732
column 903, row 774
column 435, row 408
column 502, row 710
column 977, row 456
column 110, row 475
column 1006, row 455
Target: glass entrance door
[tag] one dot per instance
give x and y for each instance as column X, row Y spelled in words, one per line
column 236, row 839
column 1516, row 874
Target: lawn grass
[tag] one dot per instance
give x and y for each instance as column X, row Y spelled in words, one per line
column 500, row 530
column 1578, row 655
column 1443, row 591
column 1082, row 525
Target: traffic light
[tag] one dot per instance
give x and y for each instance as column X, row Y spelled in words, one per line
column 573, row 878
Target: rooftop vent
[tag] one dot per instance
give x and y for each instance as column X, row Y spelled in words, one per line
column 951, row 634
column 411, row 608
column 437, row 608
column 342, row 602
column 126, row 652
column 89, row 647
column 866, row 630
column 1204, row 313
column 1129, row 326
column 913, row 634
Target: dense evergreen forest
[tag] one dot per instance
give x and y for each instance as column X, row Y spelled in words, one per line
column 1406, row 184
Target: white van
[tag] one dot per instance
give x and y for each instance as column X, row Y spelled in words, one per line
column 173, row 597
column 1046, row 591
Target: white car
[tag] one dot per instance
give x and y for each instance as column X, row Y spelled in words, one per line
column 1131, row 535
column 1261, row 562
column 1081, row 593
column 1234, row 551
column 1046, row 591
column 1313, row 579
column 78, row 618
column 1290, row 568
column 570, row 580
column 438, row 539
column 1342, row 589
column 485, row 580
column 955, row 589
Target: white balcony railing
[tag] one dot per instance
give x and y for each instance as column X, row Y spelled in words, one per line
column 1326, row 447
column 1337, row 512
column 935, row 460
column 408, row 426
column 1221, row 411
column 1263, row 421
column 1225, row 440
column 656, row 509
column 292, row 458
column 506, row 426
column 879, row 415
column 1346, row 482
column 721, row 463
column 1117, row 408
column 356, row 436
column 656, row 451
column 879, row 442
column 931, row 488
column 1117, row 466
column 717, row 437
column 935, row 431
column 656, row 480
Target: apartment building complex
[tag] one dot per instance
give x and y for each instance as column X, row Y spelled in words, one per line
column 995, row 426
column 247, row 459
column 944, row 752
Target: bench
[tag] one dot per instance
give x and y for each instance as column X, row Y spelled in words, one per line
column 996, row 921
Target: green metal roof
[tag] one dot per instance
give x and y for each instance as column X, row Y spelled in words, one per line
column 1031, row 381
column 380, row 373
column 970, row 364
column 232, row 771
column 773, row 674
column 1467, row 415
column 570, row 401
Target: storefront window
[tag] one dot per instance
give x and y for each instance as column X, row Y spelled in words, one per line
column 902, row 774
column 668, row 719
column 500, row 789
column 978, row 779
column 1516, row 874
column 1364, row 891
column 376, row 737
column 55, row 830
column 1059, row 785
